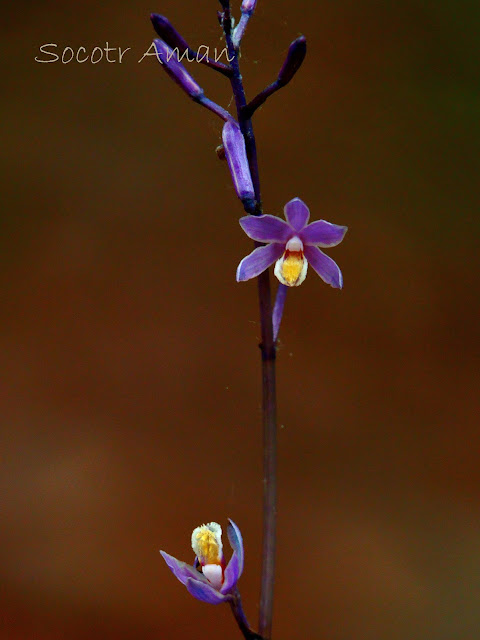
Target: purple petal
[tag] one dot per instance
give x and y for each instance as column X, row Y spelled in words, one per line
column 205, row 592
column 181, row 570
column 297, row 214
column 266, row 228
column 326, row 268
column 259, row 260
column 231, row 575
column 323, row 234
column 236, row 542
column 278, row 308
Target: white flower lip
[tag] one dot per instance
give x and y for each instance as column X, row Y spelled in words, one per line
column 214, row 574
column 294, row 244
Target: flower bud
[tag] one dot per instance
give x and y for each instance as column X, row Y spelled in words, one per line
column 168, row 33
column 248, row 6
column 234, row 145
column 293, row 61
column 168, row 58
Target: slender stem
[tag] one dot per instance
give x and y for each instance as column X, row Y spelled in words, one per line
column 269, row 472
column 213, row 106
column 237, row 609
column 259, row 99
column 267, row 347
column 216, row 65
column 193, row 56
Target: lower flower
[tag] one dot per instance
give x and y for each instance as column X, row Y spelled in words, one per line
column 209, row 579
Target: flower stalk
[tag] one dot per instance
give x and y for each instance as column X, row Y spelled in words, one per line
column 268, row 351
column 292, row 244
column 239, row 615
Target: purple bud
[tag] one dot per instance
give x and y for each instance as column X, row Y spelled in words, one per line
column 293, row 61
column 248, row 6
column 168, row 33
column 234, row 144
column 169, row 60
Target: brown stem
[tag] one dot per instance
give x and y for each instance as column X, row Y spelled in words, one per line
column 267, row 347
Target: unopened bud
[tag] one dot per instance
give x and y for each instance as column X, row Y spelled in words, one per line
column 169, row 60
column 234, row 145
column 168, row 33
column 248, row 6
column 293, row 61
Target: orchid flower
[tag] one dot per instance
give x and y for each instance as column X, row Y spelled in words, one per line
column 292, row 245
column 209, row 579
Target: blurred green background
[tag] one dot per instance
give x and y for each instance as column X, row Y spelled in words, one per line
column 130, row 371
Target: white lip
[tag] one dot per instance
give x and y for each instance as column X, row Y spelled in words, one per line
column 213, row 573
column 294, row 244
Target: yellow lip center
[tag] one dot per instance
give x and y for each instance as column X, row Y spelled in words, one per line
column 207, row 546
column 292, row 266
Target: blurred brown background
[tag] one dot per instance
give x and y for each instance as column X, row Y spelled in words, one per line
column 130, row 371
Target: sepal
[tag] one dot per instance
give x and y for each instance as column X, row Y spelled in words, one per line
column 204, row 592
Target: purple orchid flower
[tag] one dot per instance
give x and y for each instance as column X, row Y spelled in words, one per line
column 292, row 245
column 208, row 579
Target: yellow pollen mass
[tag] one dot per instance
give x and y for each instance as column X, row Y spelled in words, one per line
column 292, row 266
column 208, row 546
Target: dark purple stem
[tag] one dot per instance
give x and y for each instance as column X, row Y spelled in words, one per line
column 267, row 346
column 214, row 64
column 213, row 106
column 261, row 98
column 237, row 609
